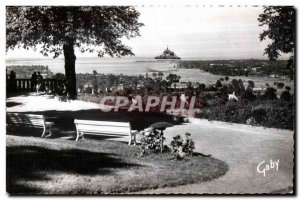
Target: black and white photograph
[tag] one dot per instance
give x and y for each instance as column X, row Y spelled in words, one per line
column 152, row 99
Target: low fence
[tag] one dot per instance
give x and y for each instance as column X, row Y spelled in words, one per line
column 27, row 85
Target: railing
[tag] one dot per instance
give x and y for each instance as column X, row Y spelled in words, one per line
column 26, row 85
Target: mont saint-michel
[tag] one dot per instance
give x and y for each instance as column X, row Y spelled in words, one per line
column 167, row 54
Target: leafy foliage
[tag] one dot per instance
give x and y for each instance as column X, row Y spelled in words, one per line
column 151, row 141
column 270, row 94
column 60, row 84
column 49, row 27
column 259, row 113
column 286, row 95
column 57, row 29
column 274, row 113
column 182, row 147
column 281, row 30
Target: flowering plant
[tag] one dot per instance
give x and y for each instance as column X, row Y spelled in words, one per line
column 151, row 141
column 182, row 147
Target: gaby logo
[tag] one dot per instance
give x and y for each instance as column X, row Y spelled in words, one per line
column 143, row 104
column 265, row 166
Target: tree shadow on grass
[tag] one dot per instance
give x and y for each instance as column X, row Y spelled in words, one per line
column 32, row 163
column 12, row 104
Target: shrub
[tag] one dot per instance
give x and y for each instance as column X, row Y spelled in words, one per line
column 259, row 114
column 251, row 84
column 180, row 148
column 270, row 94
column 269, row 113
column 151, row 141
column 248, row 95
column 286, row 96
column 60, row 84
column 280, row 85
column 88, row 90
column 218, row 84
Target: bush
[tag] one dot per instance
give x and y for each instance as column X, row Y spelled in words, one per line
column 61, row 84
column 286, row 96
column 151, row 141
column 270, row 94
column 88, row 90
column 218, row 84
column 251, row 84
column 259, row 114
column 269, row 113
column 280, row 85
column 248, row 95
column 182, row 147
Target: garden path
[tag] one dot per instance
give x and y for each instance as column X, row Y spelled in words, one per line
column 242, row 147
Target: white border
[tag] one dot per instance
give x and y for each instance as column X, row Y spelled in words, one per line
column 4, row 3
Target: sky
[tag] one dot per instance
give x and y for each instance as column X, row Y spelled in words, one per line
column 198, row 32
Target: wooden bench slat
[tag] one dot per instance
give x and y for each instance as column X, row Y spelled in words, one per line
column 103, row 128
column 116, row 129
column 102, row 123
column 29, row 120
column 28, row 124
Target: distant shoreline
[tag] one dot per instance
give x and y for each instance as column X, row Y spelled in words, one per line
column 139, row 59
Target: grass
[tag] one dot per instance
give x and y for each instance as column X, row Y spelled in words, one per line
column 60, row 166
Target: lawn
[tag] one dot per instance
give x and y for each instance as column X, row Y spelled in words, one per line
column 93, row 166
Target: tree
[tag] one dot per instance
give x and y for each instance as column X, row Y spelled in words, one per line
column 251, row 84
column 160, row 74
column 173, row 78
column 60, row 83
column 270, row 94
column 60, row 29
column 218, row 84
column 95, row 72
column 286, row 96
column 281, row 30
column 280, row 85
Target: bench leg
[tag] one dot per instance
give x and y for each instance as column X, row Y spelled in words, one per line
column 77, row 137
column 129, row 142
column 44, row 131
column 50, row 131
column 132, row 138
column 79, row 134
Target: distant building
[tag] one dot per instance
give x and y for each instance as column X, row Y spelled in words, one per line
column 167, row 54
column 120, row 87
column 258, row 91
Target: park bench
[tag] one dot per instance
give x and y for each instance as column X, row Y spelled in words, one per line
column 19, row 120
column 105, row 128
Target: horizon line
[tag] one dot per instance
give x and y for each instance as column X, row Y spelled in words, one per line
column 145, row 57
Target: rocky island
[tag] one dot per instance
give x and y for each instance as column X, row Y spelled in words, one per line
column 167, row 54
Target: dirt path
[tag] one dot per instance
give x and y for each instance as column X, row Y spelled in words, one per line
column 243, row 148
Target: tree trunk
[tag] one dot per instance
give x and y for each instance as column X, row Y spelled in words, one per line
column 70, row 59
